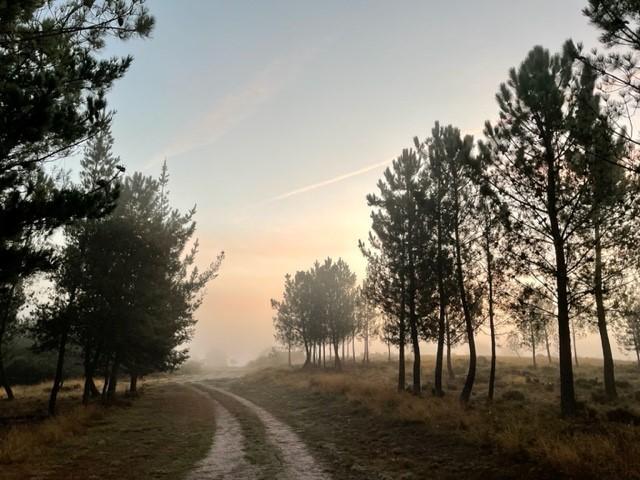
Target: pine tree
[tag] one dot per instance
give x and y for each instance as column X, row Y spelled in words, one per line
column 533, row 150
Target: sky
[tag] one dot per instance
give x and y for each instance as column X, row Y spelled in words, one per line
column 276, row 118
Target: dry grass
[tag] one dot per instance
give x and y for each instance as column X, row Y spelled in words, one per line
column 24, row 441
column 529, row 428
column 127, row 440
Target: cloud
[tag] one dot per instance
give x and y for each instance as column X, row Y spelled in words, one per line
column 235, row 107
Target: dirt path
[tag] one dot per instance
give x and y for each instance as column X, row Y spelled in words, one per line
column 242, row 449
column 226, row 459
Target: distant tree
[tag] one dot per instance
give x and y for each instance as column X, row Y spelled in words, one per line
column 492, row 217
column 627, row 310
column 317, row 307
column 459, row 169
column 401, row 241
column 366, row 321
column 530, row 319
column 433, row 150
column 284, row 325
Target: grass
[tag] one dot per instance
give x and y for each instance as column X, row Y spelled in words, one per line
column 523, row 423
column 160, row 434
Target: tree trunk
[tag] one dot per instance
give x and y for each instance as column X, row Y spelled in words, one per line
column 492, row 329
column 133, row 384
column 442, row 308
column 608, row 366
column 437, row 389
column 366, row 343
column 465, row 395
column 417, row 387
column 567, row 392
column 546, row 342
column 401, row 373
column 289, row 354
column 113, row 380
column 307, row 354
column 338, row 363
column 88, row 376
column 450, row 371
column 324, row 355
column 105, row 387
column 636, row 342
column 57, row 381
column 353, row 347
column 4, row 381
column 575, row 344
column 533, row 348
column 389, row 353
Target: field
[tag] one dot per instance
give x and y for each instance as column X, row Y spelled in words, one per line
column 356, row 418
column 160, row 434
column 353, row 422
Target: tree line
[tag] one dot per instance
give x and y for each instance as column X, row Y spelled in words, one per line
column 102, row 268
column 323, row 309
column 534, row 225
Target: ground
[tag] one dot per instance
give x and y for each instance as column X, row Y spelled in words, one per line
column 161, row 434
column 322, row 424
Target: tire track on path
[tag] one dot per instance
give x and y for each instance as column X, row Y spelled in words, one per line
column 297, row 461
column 226, row 458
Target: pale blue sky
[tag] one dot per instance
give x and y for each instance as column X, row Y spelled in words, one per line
column 251, row 100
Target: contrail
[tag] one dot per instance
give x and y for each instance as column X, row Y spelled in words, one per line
column 308, row 188
column 330, row 181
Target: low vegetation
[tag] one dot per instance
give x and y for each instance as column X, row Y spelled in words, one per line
column 126, row 440
column 602, row 442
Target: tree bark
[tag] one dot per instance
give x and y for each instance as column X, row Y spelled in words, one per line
column 4, row 381
column 442, row 308
column 492, row 329
column 567, row 392
column 366, row 343
column 113, row 380
column 607, row 355
column 338, row 363
column 533, row 347
column 465, row 395
column 450, row 371
column 401, row 372
column 546, row 342
column 133, row 384
column 353, row 347
column 324, row 355
column 57, row 381
column 417, row 387
column 307, row 354
column 575, row 344
column 636, row 343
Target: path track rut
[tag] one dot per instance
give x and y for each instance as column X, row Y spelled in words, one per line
column 227, row 458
